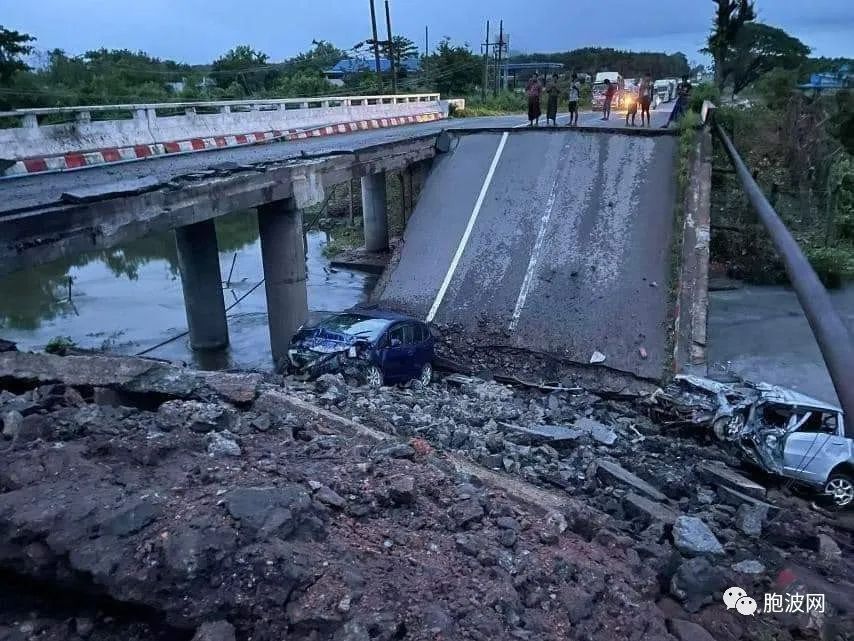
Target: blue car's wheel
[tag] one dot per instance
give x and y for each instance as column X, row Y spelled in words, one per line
column 426, row 374
column 373, row 377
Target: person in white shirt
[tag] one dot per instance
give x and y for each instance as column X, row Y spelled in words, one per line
column 574, row 96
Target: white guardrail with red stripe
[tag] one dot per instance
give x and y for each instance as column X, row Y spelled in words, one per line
column 34, row 144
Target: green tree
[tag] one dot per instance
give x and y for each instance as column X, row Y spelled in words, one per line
column 246, row 67
column 760, row 48
column 730, row 17
column 454, row 69
column 13, row 45
column 402, row 48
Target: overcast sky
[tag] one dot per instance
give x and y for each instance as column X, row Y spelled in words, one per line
column 197, row 31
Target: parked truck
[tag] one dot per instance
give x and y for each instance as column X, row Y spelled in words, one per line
column 599, row 89
column 664, row 91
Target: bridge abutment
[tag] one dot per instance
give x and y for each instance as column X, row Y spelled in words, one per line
column 374, row 212
column 201, row 280
column 283, row 256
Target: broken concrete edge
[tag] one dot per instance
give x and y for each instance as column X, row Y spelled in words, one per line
column 692, row 298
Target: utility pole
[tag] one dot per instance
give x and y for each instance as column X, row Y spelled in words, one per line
column 390, row 49
column 376, row 47
column 485, row 64
column 426, row 51
column 500, row 46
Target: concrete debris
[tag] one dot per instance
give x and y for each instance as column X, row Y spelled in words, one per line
column 689, row 631
column 750, row 518
column 372, row 514
column 597, row 357
column 750, row 566
column 694, row 538
column 614, row 473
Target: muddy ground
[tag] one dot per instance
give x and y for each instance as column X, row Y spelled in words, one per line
column 142, row 501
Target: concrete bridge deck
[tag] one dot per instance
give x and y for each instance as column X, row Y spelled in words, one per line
column 556, row 241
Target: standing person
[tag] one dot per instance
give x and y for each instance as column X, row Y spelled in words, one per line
column 552, row 92
column 632, row 97
column 610, row 90
column 683, row 93
column 533, row 91
column 645, row 97
column 574, row 97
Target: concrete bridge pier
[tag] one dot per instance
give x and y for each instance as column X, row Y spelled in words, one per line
column 198, row 262
column 283, row 256
column 374, row 212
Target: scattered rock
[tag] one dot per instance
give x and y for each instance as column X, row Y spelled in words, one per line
column 329, row 497
column 84, row 627
column 466, row 512
column 750, row 566
column 216, row 631
column 12, row 422
column 693, row 537
column 696, row 583
column 252, row 506
column 828, row 549
column 637, row 506
column 196, row 416
column 221, row 444
column 688, row 631
column 398, row 450
column 599, row 432
column 402, row 490
column 750, row 518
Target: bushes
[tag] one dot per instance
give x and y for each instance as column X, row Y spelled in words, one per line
column 706, row 91
column 505, row 102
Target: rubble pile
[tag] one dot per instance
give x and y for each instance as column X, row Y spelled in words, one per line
column 142, row 501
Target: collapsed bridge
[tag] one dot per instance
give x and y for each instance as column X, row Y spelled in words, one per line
column 548, row 240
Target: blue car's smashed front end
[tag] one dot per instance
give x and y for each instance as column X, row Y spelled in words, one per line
column 317, row 351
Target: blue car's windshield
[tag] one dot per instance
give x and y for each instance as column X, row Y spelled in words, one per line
column 356, row 325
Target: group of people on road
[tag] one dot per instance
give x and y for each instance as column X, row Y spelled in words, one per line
column 534, row 90
column 645, row 91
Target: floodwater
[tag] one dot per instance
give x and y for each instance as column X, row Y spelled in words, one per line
column 129, row 298
column 761, row 333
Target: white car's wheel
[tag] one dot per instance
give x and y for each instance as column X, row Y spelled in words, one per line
column 840, row 488
column 374, row 377
column 426, row 374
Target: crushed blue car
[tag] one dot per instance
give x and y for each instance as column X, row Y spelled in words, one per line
column 377, row 347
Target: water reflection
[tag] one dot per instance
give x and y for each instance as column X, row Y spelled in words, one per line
column 129, row 298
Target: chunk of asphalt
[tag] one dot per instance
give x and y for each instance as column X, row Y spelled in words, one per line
column 717, row 474
column 692, row 537
column 637, row 506
column 735, row 498
column 613, row 473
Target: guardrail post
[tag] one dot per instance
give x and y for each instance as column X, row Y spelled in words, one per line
column 190, row 111
column 225, row 109
column 31, row 121
column 83, row 116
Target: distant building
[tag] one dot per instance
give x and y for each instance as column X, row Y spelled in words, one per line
column 352, row 66
column 831, row 80
column 176, row 87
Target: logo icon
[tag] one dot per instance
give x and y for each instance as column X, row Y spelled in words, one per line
column 732, row 595
column 746, row 605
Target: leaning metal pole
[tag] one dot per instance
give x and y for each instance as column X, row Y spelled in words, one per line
column 830, row 332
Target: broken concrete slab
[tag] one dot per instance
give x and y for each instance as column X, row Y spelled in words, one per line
column 554, row 434
column 719, row 474
column 599, row 432
column 638, row 506
column 692, row 537
column 750, row 518
column 735, row 498
column 613, row 473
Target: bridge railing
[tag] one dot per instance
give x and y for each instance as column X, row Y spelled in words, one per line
column 62, row 138
column 83, row 113
column 827, row 326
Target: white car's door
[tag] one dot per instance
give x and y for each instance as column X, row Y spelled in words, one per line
column 811, row 455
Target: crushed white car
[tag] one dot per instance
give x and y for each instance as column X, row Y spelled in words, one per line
column 782, row 431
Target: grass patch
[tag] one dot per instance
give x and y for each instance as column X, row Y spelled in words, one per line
column 343, row 237
column 60, row 345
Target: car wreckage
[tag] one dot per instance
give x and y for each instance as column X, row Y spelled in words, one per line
column 375, row 347
column 782, row 431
